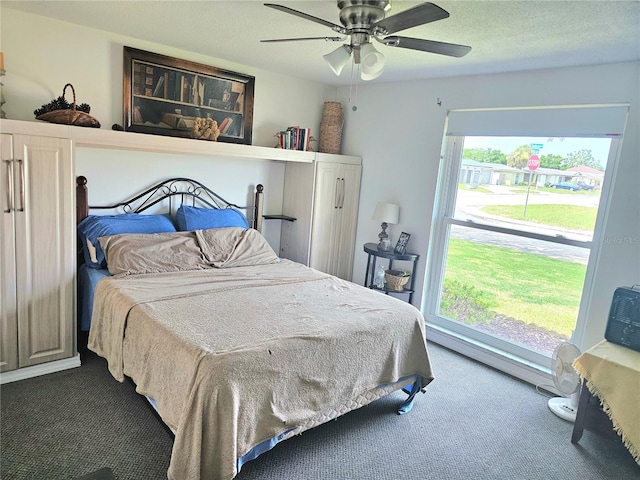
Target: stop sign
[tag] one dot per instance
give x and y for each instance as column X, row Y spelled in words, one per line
column 533, row 162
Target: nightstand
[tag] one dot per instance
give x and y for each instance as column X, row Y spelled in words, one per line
column 371, row 249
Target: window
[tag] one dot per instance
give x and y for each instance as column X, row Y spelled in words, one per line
column 514, row 235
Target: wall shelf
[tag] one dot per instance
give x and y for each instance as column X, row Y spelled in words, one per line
column 85, row 137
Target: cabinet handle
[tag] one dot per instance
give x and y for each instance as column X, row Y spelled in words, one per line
column 21, row 163
column 336, row 198
column 342, row 193
column 9, row 186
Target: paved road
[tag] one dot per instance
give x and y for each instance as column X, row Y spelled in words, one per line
column 528, row 245
column 469, row 206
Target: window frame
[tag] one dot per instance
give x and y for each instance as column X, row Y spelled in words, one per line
column 519, row 361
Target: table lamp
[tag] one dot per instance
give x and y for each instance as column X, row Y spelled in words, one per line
column 386, row 213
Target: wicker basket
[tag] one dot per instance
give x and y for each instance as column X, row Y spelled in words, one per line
column 331, row 128
column 332, row 109
column 395, row 280
column 70, row 116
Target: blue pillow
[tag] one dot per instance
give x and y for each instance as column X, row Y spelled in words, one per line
column 194, row 218
column 95, row 226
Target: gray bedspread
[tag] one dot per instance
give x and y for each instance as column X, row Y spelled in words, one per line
column 237, row 356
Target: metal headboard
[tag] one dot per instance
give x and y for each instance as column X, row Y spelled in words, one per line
column 179, row 190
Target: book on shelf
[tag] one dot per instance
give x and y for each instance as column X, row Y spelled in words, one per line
column 170, row 84
column 182, row 87
column 225, row 125
column 138, row 79
column 307, row 139
column 198, row 97
column 295, row 138
column 186, row 89
column 179, row 122
column 165, row 92
column 285, row 139
column 158, row 91
column 179, row 86
column 148, row 80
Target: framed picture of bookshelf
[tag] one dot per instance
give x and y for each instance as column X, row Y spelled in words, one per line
column 165, row 95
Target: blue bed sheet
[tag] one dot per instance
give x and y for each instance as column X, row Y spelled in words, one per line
column 87, row 280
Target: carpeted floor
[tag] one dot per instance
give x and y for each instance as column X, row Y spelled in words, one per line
column 473, row 423
column 101, row 474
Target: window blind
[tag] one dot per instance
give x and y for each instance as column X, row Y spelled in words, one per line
column 569, row 121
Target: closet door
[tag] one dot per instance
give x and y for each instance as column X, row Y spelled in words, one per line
column 8, row 306
column 344, row 243
column 297, row 202
column 45, row 248
column 326, row 229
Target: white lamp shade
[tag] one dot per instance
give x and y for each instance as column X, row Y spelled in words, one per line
column 370, row 76
column 338, row 58
column 387, row 212
column 371, row 62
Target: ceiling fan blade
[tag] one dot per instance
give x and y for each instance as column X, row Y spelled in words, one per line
column 419, row 15
column 297, row 13
column 326, row 39
column 450, row 49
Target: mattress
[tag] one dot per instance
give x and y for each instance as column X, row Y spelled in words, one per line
column 88, row 278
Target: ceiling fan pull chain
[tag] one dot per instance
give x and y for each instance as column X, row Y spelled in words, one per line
column 355, row 98
column 351, row 85
column 354, row 107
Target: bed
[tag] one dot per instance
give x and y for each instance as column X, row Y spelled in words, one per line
column 238, row 349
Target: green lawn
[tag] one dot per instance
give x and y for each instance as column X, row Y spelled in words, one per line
column 525, row 286
column 571, row 217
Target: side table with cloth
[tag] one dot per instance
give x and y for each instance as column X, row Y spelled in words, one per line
column 612, row 373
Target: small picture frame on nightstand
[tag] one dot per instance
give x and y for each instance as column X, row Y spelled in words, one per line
column 401, row 246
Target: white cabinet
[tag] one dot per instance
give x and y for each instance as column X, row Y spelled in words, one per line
column 323, row 197
column 37, row 253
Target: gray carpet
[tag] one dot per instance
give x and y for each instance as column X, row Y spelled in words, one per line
column 473, row 423
column 102, row 474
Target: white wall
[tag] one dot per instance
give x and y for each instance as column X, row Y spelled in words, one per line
column 42, row 55
column 398, row 130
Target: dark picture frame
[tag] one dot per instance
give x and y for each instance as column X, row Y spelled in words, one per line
column 164, row 95
column 401, row 245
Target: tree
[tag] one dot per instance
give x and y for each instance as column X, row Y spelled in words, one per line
column 581, row 157
column 487, row 155
column 551, row 161
column 519, row 157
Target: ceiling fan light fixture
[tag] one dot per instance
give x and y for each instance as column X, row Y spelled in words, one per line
column 363, row 20
column 371, row 62
column 338, row 58
column 370, row 76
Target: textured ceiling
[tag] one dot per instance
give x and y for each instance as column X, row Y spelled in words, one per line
column 505, row 35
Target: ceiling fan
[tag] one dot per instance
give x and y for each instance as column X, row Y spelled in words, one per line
column 363, row 20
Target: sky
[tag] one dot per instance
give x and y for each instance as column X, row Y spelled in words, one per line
column 557, row 146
